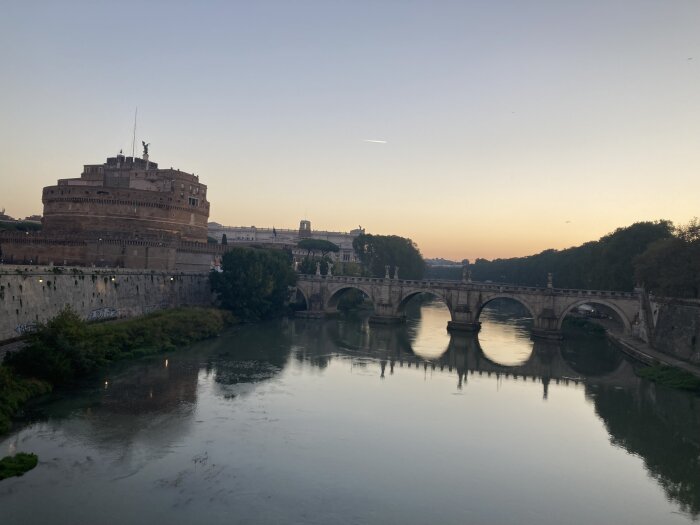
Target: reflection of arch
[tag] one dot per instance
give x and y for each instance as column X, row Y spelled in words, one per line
column 626, row 324
column 412, row 294
column 335, row 294
column 519, row 300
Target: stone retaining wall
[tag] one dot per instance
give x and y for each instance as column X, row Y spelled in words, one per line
column 31, row 294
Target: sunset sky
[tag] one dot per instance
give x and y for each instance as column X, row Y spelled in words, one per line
column 477, row 128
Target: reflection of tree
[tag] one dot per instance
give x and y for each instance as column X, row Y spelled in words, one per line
column 662, row 427
column 248, row 357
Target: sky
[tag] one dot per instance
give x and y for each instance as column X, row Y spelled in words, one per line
column 500, row 128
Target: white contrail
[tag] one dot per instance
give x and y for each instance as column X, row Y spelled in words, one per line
column 375, row 141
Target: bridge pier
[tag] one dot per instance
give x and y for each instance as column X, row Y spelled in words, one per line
column 551, row 335
column 463, row 326
column 385, row 313
column 546, row 326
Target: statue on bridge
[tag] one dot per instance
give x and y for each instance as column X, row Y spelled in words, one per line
column 386, row 271
column 318, row 268
column 396, row 272
column 550, row 280
column 329, row 273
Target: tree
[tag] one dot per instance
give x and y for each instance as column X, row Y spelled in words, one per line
column 254, row 282
column 377, row 251
column 671, row 266
column 318, row 245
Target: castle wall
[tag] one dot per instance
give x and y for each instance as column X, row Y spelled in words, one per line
column 75, row 251
column 112, row 212
column 31, row 294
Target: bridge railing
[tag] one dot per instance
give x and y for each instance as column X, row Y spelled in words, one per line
column 476, row 285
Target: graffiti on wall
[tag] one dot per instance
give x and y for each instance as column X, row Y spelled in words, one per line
column 103, row 313
column 26, row 328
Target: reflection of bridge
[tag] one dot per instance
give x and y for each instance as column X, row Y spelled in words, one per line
column 391, row 348
column 465, row 300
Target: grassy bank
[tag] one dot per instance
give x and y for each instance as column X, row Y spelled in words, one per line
column 670, row 376
column 67, row 349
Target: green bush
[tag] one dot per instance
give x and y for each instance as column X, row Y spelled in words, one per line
column 14, row 392
column 17, row 465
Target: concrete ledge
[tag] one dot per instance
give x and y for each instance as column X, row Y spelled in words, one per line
column 460, row 326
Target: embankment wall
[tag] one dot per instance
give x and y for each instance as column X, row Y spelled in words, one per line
column 31, row 294
column 677, row 328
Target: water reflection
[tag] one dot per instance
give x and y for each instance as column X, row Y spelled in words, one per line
column 505, row 333
column 260, row 423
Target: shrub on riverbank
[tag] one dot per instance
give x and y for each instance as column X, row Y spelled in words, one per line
column 17, row 465
column 66, row 349
column 669, row 376
column 14, row 392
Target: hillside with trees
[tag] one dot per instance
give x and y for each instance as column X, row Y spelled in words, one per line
column 655, row 254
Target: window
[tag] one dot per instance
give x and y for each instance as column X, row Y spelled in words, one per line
column 193, row 201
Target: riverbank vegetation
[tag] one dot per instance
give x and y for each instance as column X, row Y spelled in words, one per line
column 15, row 391
column 17, row 465
column 66, row 349
column 671, row 377
column 254, row 282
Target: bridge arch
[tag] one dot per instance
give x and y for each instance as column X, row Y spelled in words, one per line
column 626, row 322
column 501, row 295
column 410, row 294
column 335, row 292
column 305, row 295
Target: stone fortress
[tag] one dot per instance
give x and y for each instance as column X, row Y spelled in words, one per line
column 125, row 213
column 129, row 213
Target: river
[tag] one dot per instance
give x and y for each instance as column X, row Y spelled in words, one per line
column 341, row 422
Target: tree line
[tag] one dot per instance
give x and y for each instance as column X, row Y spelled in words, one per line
column 655, row 254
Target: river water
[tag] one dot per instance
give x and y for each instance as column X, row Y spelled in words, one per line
column 335, row 422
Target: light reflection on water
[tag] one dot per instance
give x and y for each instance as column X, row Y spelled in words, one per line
column 343, row 422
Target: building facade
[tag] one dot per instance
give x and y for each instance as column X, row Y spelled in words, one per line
column 288, row 238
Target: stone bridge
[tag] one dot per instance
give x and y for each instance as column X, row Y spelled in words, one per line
column 465, row 300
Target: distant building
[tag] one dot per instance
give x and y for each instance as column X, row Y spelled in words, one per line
column 288, row 238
